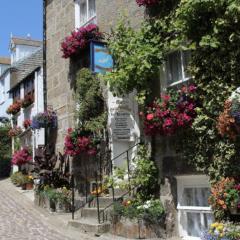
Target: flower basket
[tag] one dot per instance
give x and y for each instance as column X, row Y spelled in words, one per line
column 170, row 113
column 27, row 101
column 80, row 142
column 147, row 3
column 14, row 108
column 21, row 157
column 79, row 40
column 15, row 131
column 47, row 119
column 27, row 123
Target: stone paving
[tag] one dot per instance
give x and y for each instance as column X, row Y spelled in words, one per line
column 21, row 221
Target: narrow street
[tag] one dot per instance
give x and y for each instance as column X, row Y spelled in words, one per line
column 19, row 219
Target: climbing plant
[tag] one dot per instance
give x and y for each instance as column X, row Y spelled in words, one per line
column 90, row 112
column 210, row 29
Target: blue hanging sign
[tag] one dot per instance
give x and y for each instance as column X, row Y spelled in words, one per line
column 101, row 59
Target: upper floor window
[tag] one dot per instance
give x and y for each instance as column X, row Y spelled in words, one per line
column 85, row 12
column 174, row 71
column 29, row 87
column 16, row 94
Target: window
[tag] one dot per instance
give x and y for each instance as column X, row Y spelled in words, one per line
column 85, row 12
column 16, row 94
column 174, row 71
column 29, row 87
column 194, row 212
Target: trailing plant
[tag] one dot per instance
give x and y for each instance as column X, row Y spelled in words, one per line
column 15, row 131
column 21, row 157
column 80, row 39
column 47, row 119
column 27, row 123
column 80, row 142
column 27, row 101
column 147, row 3
column 225, row 195
column 171, row 112
column 14, row 108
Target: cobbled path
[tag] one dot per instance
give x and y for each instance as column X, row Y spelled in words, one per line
column 21, row 222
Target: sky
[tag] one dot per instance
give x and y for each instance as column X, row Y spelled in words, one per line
column 19, row 17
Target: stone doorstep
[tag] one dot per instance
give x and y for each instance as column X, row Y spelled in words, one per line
column 91, row 213
column 89, row 226
column 103, row 202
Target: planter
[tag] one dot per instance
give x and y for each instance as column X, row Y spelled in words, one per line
column 50, row 205
column 23, row 186
column 29, row 186
column 62, row 207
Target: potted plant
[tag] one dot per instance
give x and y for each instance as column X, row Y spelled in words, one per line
column 21, row 157
column 79, row 40
column 15, row 131
column 50, row 198
column 80, row 142
column 63, row 200
column 27, row 123
column 171, row 112
column 147, row 3
column 27, row 101
column 47, row 119
column 225, row 197
column 14, row 108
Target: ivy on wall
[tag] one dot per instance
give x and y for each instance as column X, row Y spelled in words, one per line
column 211, row 30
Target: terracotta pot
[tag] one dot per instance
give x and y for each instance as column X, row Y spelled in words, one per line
column 23, row 186
column 29, row 186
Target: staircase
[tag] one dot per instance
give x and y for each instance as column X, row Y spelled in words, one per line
column 94, row 216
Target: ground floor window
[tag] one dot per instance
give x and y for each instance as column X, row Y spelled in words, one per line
column 194, row 212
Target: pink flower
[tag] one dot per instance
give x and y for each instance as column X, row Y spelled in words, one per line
column 192, row 88
column 150, row 116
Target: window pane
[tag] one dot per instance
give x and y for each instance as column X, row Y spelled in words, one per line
column 92, row 8
column 186, row 61
column 195, row 197
column 83, row 11
column 174, row 69
column 194, row 224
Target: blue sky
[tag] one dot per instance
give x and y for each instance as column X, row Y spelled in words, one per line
column 19, row 17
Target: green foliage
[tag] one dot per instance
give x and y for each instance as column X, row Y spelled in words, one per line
column 90, row 103
column 5, row 151
column 212, row 27
column 137, row 55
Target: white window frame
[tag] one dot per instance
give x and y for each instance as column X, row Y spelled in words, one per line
column 164, row 73
column 193, row 181
column 78, row 24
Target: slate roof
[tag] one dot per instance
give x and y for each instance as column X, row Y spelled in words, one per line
column 5, row 60
column 23, row 68
column 26, row 41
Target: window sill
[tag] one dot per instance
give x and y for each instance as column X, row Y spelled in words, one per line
column 179, row 82
column 90, row 20
column 193, row 208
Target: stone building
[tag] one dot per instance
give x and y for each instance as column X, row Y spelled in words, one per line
column 183, row 192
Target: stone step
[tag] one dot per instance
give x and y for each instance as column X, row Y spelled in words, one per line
column 103, row 202
column 89, row 226
column 90, row 212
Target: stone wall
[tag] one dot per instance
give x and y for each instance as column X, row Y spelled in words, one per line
column 110, row 11
column 60, row 22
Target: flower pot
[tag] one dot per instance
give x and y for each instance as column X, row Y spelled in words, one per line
column 23, row 186
column 50, row 205
column 62, row 207
column 29, row 186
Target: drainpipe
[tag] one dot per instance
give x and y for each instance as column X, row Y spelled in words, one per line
column 44, row 63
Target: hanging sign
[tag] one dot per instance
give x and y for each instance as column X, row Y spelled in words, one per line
column 101, row 59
